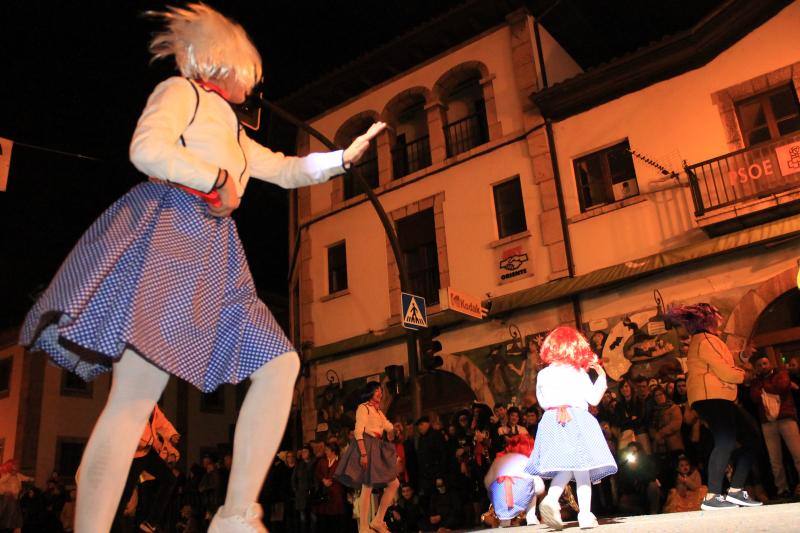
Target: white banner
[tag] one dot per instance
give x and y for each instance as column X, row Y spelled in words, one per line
column 5, row 161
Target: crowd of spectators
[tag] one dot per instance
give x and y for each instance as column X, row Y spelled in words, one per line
column 660, row 444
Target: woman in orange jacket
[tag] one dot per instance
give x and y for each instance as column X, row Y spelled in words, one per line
column 711, row 382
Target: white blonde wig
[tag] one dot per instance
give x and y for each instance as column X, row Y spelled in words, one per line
column 206, row 45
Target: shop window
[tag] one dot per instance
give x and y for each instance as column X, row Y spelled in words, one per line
column 606, row 176
column 417, row 236
column 509, row 208
column 5, row 376
column 768, row 115
column 213, row 402
column 72, row 385
column 337, row 268
column 68, row 456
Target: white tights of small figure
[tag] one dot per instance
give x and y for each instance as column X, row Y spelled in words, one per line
column 583, row 481
column 135, row 388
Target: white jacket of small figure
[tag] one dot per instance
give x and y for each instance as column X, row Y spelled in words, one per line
column 187, row 134
column 564, row 385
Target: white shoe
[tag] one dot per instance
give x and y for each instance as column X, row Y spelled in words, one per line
column 551, row 513
column 587, row 520
column 250, row 522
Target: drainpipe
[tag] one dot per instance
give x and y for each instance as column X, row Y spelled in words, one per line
column 551, row 142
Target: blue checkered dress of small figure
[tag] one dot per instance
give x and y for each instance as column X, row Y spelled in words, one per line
column 521, row 489
column 579, row 445
column 158, row 274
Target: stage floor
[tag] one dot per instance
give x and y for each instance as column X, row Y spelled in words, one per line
column 771, row 518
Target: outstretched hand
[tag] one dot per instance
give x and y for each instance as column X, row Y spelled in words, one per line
column 361, row 143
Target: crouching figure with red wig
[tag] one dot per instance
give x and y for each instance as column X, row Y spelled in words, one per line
column 511, row 489
column 569, row 441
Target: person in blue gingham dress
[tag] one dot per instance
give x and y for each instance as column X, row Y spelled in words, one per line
column 513, row 491
column 159, row 284
column 569, row 441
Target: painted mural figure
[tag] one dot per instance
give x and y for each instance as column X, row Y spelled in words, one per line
column 569, row 441
column 159, row 284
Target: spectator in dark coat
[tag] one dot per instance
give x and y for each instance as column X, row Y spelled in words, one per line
column 330, row 511
column 444, row 509
column 406, row 515
column 430, row 456
column 302, row 480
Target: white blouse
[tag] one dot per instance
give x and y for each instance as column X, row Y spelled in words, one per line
column 186, row 134
column 565, row 385
column 370, row 421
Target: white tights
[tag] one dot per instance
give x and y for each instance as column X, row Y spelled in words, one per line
column 582, row 480
column 135, row 388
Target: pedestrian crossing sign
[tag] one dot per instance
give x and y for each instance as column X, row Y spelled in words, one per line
column 414, row 314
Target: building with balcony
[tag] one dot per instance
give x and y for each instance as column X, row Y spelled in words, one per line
column 556, row 196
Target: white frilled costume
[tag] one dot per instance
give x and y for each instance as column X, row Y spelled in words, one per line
column 578, row 445
column 156, row 272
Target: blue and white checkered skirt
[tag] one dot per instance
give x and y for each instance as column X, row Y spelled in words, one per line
column 156, row 273
column 579, row 445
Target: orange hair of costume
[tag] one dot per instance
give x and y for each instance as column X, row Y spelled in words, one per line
column 567, row 346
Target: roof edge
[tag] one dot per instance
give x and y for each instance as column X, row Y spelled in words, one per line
column 667, row 58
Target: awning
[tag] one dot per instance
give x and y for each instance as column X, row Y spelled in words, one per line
column 778, row 230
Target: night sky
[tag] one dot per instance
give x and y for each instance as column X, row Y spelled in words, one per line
column 75, row 76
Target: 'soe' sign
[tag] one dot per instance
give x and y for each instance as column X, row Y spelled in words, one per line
column 780, row 162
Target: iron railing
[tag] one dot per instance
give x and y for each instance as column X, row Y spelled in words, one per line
column 465, row 134
column 410, row 157
column 369, row 171
column 756, row 172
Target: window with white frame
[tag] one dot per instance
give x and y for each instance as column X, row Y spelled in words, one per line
column 605, row 176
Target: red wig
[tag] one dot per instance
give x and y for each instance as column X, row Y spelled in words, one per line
column 519, row 444
column 567, row 346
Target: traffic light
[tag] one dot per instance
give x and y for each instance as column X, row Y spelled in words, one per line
column 429, row 346
column 396, row 377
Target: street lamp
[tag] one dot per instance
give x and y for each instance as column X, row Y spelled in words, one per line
column 405, row 283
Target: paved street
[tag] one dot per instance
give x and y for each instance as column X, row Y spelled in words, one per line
column 772, row 518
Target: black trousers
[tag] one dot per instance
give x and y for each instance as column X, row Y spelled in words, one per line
column 159, row 469
column 729, row 424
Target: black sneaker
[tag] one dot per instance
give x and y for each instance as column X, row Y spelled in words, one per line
column 740, row 497
column 717, row 503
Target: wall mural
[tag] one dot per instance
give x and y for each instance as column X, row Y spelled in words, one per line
column 336, row 403
column 631, row 344
column 510, row 366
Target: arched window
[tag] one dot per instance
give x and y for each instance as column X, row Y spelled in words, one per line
column 411, row 149
column 462, row 95
column 367, row 166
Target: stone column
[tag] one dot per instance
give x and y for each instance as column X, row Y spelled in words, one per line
column 495, row 128
column 385, row 167
column 437, row 119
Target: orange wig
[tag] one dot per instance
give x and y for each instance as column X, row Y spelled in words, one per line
column 565, row 345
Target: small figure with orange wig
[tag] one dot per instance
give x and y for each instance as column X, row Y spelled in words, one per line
column 569, row 441
column 511, row 489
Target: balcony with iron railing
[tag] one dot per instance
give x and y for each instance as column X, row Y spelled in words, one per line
column 465, row 134
column 409, row 157
column 368, row 168
column 747, row 187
